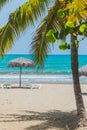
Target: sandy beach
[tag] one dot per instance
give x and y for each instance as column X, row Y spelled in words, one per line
column 51, row 107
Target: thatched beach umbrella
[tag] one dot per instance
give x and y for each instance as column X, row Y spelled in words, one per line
column 83, row 71
column 21, row 62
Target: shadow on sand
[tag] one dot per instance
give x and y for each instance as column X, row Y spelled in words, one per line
column 52, row 119
column 84, row 94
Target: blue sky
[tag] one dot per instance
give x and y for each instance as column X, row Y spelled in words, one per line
column 22, row 43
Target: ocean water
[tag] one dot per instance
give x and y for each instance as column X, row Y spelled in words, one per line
column 57, row 69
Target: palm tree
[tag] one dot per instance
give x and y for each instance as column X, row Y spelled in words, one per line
column 64, row 17
column 69, row 19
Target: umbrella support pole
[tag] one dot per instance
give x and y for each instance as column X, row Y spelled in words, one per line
column 20, row 77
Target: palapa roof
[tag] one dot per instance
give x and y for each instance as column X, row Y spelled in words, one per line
column 21, row 62
column 83, row 71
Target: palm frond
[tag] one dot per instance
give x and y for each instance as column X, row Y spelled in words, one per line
column 27, row 14
column 6, row 38
column 2, row 2
column 40, row 45
column 18, row 21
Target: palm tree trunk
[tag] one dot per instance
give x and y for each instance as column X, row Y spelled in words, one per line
column 77, row 89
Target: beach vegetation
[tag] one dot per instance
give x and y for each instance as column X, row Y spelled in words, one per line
column 50, row 36
column 63, row 46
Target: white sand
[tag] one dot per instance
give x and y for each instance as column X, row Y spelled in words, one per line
column 52, row 107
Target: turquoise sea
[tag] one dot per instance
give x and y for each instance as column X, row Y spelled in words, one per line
column 56, row 70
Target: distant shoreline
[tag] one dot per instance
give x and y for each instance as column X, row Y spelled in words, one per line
column 39, row 78
column 48, row 54
column 57, row 69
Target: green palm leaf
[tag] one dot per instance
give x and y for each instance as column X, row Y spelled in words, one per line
column 25, row 15
column 40, row 45
column 6, row 38
column 2, row 2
